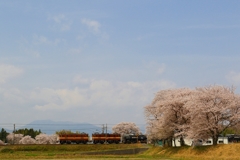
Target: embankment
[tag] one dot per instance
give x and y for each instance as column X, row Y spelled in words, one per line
column 223, row 151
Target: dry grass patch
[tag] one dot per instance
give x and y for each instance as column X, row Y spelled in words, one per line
column 224, row 152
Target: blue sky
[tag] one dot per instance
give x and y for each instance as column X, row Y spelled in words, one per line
column 102, row 61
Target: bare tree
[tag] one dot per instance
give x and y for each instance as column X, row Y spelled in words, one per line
column 126, row 128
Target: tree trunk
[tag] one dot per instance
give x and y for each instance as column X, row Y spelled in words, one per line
column 182, row 142
column 215, row 140
column 174, row 141
column 169, row 142
column 164, row 142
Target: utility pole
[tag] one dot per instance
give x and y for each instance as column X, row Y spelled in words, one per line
column 106, row 134
column 103, row 129
column 13, row 133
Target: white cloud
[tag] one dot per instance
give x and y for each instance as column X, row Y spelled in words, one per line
column 62, row 22
column 57, row 99
column 79, row 79
column 75, row 51
column 210, row 26
column 233, row 77
column 94, row 28
column 31, row 52
column 39, row 40
column 161, row 69
column 8, row 72
column 92, row 25
column 58, row 18
column 65, row 27
column 98, row 93
column 49, row 106
column 154, row 66
column 134, row 84
column 100, row 85
column 15, row 94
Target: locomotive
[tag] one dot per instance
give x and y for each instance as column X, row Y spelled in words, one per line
column 233, row 138
column 101, row 138
column 142, row 138
column 132, row 138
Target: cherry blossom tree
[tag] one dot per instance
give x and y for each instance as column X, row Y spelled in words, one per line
column 1, row 143
column 202, row 113
column 167, row 116
column 14, row 138
column 46, row 139
column 27, row 140
column 53, row 138
column 213, row 109
column 126, row 128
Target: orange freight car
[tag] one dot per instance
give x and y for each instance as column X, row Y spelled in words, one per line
column 73, row 138
column 108, row 138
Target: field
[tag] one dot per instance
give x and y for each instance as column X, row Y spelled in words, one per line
column 219, row 152
column 66, row 151
column 94, row 152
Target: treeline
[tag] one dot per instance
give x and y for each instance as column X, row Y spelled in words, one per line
column 3, row 135
column 30, row 132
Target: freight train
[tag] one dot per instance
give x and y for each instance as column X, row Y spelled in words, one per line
column 100, row 138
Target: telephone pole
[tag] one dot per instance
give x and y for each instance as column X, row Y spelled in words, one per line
column 106, row 134
column 103, row 128
column 13, row 133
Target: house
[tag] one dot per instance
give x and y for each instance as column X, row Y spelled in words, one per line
column 189, row 142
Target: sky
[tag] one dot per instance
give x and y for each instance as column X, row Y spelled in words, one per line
column 102, row 61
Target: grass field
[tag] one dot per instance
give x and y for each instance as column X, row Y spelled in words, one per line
column 220, row 152
column 64, row 151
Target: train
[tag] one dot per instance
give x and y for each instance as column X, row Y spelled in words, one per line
column 233, row 138
column 132, row 138
column 101, row 138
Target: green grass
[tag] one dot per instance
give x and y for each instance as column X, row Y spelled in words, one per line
column 78, row 148
column 65, row 151
column 219, row 152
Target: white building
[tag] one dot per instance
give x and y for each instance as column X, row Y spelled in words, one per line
column 221, row 140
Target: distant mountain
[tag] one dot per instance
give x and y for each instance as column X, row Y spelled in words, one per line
column 50, row 127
